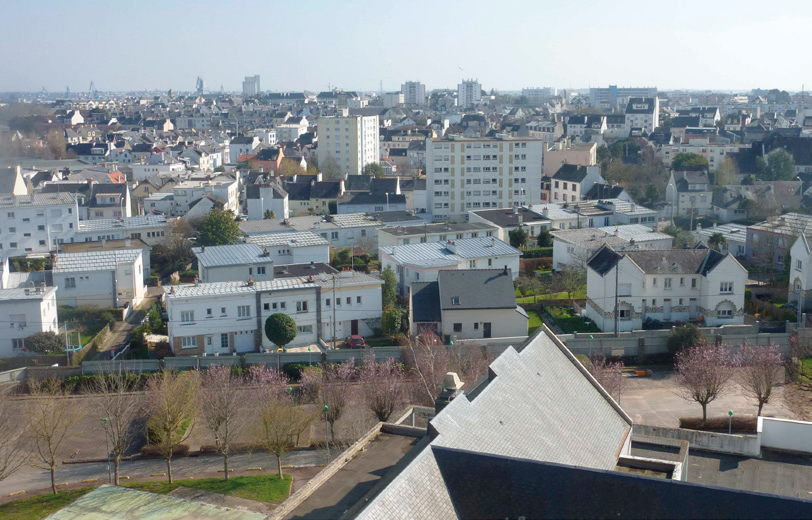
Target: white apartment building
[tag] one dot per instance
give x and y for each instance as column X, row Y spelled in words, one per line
column 684, row 285
column 291, row 129
column 250, row 86
column 35, row 223
column 643, row 113
column 227, row 317
column 612, row 97
column 351, row 141
column 405, row 235
column 149, row 228
column 185, row 194
column 467, row 174
column 539, row 96
column 393, row 99
column 233, row 263
column 414, row 93
column 260, row 198
column 159, row 165
column 422, row 261
column 293, row 248
column 469, row 93
column 100, row 279
column 25, row 312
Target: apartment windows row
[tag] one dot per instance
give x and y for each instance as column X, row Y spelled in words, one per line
column 260, row 269
column 348, row 300
column 565, row 186
column 481, row 181
column 486, row 193
column 668, row 283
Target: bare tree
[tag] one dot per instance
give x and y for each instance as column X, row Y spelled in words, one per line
column 609, row 374
column 383, row 386
column 221, row 401
column 428, row 360
column 310, row 384
column 171, row 404
column 759, row 372
column 13, row 448
column 571, row 279
column 704, row 372
column 335, row 389
column 118, row 408
column 50, row 423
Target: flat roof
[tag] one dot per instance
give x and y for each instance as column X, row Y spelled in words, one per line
column 36, row 293
column 235, row 254
column 94, row 260
column 98, row 245
column 108, row 224
column 298, row 239
column 436, row 228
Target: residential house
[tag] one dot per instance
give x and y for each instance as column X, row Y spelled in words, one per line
column 506, row 220
column 242, row 145
column 99, row 279
column 111, row 245
column 454, row 308
column 800, row 273
column 107, row 201
column 149, row 228
column 233, row 263
column 735, row 236
column 571, row 181
column 422, row 261
column 25, row 311
column 669, row 286
column 293, row 248
column 769, row 242
column 576, row 246
column 643, row 114
column 223, row 318
column 291, row 129
column 159, row 164
column 405, row 235
column 565, row 152
column 734, row 202
column 263, row 198
column 689, row 193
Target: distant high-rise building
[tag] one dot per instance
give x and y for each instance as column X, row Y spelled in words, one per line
column 250, row 86
column 469, row 93
column 613, row 97
column 200, row 86
column 538, row 96
column 351, row 141
column 414, row 93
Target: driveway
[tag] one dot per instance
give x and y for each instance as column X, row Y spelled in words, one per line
column 655, row 401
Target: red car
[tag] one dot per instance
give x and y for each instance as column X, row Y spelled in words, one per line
column 355, row 341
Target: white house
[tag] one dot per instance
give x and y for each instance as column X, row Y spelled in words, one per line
column 571, row 182
column 186, row 194
column 293, row 248
column 35, row 223
column 800, row 274
column 159, row 164
column 233, row 263
column 643, row 113
column 576, row 246
column 669, row 286
column 99, row 279
column 25, row 311
column 689, row 192
column 242, row 145
column 421, row 262
column 226, row 317
column 734, row 234
column 260, row 198
column 149, row 228
column 454, row 307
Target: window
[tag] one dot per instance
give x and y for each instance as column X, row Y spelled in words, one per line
column 799, row 265
column 458, row 327
column 724, row 313
column 250, row 270
column 455, row 300
column 625, row 314
column 654, row 282
column 304, row 329
column 208, row 340
column 223, row 311
column 682, row 282
column 334, row 235
column 693, row 283
column 726, row 287
column 266, row 306
column 188, row 342
column 349, row 300
column 244, row 311
column 223, row 340
column 327, row 302
column 301, row 306
column 208, row 313
column 476, row 325
column 667, row 284
column 18, row 343
column 70, row 283
column 358, row 300
column 187, row 316
column 471, row 264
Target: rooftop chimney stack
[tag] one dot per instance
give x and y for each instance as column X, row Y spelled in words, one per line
column 451, row 388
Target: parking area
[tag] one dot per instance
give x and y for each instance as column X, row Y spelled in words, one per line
column 655, row 401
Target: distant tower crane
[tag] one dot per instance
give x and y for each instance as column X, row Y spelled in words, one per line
column 93, row 92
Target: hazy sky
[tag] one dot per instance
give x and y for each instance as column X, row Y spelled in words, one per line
column 507, row 45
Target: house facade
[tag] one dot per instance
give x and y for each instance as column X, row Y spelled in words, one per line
column 669, row 286
column 26, row 311
column 100, row 279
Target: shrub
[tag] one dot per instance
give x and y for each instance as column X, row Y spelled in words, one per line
column 584, row 359
column 178, row 450
column 294, row 370
column 538, row 252
column 189, row 273
column 683, row 337
column 720, row 424
column 108, row 318
column 236, row 447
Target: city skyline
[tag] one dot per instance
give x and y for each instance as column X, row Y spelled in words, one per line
column 158, row 46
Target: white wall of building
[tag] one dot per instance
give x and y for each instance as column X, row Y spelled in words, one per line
column 24, row 315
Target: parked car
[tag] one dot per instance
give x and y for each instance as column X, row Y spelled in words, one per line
column 355, row 341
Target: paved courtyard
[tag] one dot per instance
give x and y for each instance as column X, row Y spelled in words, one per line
column 655, row 401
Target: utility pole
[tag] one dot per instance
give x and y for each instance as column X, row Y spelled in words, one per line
column 617, row 310
column 335, row 302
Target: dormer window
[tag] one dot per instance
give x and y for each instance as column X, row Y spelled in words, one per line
column 455, row 300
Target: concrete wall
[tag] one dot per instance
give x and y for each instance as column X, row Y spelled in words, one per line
column 12, row 376
column 785, row 434
column 748, row 445
column 98, row 367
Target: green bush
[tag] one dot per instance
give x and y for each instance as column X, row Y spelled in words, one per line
column 294, row 370
column 683, row 337
column 538, row 252
column 178, row 450
column 189, row 273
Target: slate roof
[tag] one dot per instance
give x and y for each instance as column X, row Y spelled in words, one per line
column 684, row 121
column 357, row 182
column 325, row 190
column 123, row 223
column 94, row 260
column 298, row 191
column 538, row 404
column 236, row 254
column 313, row 268
column 603, row 191
column 268, row 154
column 426, row 302
column 571, row 173
column 242, row 139
column 37, row 199
column 468, row 287
column 672, row 261
column 371, row 198
column 649, row 102
column 505, row 218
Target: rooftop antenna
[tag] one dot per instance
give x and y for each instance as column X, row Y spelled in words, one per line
column 381, row 84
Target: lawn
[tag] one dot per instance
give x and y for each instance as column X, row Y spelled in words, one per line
column 265, row 488
column 39, row 506
column 534, row 322
column 569, row 322
column 580, row 294
column 806, row 371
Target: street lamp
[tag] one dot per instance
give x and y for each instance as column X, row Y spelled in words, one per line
column 729, row 422
column 106, row 422
column 327, row 432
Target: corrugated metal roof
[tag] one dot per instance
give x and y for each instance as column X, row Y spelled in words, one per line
column 94, row 260
column 123, row 223
column 37, row 199
column 438, row 253
column 237, row 254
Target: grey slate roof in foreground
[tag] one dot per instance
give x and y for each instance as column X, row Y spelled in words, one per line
column 476, row 289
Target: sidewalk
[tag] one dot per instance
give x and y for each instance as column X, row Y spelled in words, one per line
column 121, row 330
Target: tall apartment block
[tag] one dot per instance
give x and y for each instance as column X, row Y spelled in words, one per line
column 464, row 174
column 250, row 86
column 352, row 141
column 613, row 97
column 414, row 93
column 539, row 96
column 469, row 93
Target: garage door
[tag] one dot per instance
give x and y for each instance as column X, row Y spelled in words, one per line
column 244, row 341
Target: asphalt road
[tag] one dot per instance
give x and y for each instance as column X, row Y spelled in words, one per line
column 29, row 478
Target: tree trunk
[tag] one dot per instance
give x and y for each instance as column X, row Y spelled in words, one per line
column 53, row 479
column 760, row 406
column 279, row 465
column 704, row 412
column 225, row 464
column 169, row 468
column 116, row 462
